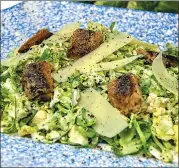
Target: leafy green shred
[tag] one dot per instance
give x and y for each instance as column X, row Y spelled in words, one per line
column 85, row 119
column 165, row 153
column 133, row 139
column 171, row 50
column 130, row 148
column 111, row 27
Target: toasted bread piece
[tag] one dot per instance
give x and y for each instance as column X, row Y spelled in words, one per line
column 37, row 81
column 35, row 40
column 124, row 93
column 83, row 42
column 168, row 60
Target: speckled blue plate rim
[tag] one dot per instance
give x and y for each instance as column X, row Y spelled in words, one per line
column 14, row 6
column 23, row 152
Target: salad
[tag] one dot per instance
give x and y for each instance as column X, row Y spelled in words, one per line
column 91, row 86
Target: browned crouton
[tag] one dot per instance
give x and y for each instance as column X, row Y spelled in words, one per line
column 151, row 55
column 170, row 61
column 124, row 94
column 37, row 81
column 83, row 42
column 35, row 40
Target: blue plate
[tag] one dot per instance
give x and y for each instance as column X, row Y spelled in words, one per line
column 22, row 21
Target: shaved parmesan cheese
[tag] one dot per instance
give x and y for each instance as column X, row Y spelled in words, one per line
column 85, row 63
column 110, row 121
column 164, row 78
column 149, row 46
column 114, row 64
column 64, row 33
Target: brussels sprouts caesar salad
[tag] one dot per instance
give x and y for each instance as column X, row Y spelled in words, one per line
column 91, row 86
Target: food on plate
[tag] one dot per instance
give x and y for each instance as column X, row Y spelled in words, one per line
column 166, row 80
column 109, row 120
column 124, row 93
column 37, row 81
column 91, row 86
column 83, row 42
column 170, row 61
column 87, row 63
column 151, row 55
column 35, row 40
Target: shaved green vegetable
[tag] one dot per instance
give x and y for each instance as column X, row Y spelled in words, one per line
column 95, row 26
column 76, row 137
column 175, row 127
column 171, row 49
column 112, row 26
column 40, row 116
column 165, row 154
column 86, row 63
column 109, row 121
column 140, row 133
column 163, row 127
column 155, row 152
column 129, row 148
column 26, row 130
column 163, row 77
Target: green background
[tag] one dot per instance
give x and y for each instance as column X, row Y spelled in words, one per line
column 156, row 6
